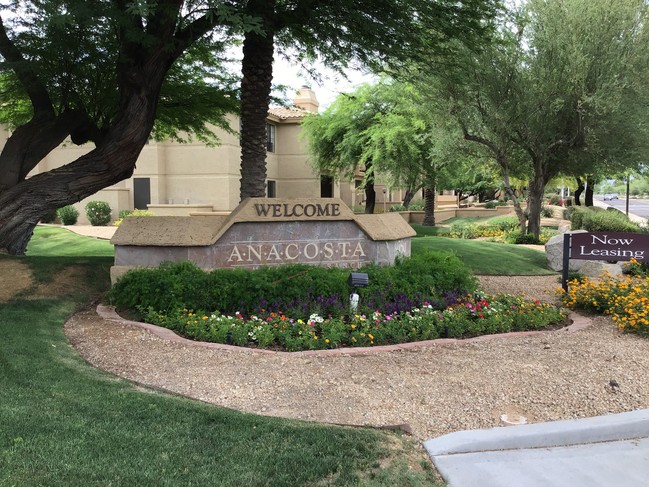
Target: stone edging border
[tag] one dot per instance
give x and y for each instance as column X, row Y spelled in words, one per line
column 108, row 313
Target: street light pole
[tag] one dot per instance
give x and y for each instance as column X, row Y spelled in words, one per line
column 627, row 195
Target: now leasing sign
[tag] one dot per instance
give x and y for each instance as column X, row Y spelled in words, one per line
column 609, row 246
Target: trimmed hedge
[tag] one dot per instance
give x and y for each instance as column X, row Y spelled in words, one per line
column 299, row 290
column 598, row 220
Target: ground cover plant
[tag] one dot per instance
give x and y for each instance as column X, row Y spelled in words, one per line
column 467, row 316
column 625, row 298
column 65, row 423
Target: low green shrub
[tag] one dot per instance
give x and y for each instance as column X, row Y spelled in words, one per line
column 411, row 207
column 98, row 213
column 426, row 231
column 494, row 203
column 68, row 215
column 636, row 268
column 519, row 238
column 126, row 213
column 607, row 221
column 503, row 223
column 463, row 230
column 296, row 289
column 50, row 217
column 555, row 200
column 577, row 214
column 546, row 234
column 546, row 212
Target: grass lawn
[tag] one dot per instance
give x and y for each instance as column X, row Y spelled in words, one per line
column 64, row 423
column 489, row 258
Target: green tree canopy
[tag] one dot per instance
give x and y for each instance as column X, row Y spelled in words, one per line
column 377, row 34
column 102, row 71
column 562, row 89
column 389, row 128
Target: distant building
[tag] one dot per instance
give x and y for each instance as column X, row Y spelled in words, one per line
column 171, row 178
column 178, row 179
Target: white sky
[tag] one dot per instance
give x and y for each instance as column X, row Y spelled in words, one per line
column 331, row 85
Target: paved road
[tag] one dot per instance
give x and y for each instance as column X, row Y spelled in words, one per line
column 637, row 207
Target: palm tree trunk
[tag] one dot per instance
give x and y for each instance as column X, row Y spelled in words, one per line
column 257, row 70
column 579, row 190
column 429, row 207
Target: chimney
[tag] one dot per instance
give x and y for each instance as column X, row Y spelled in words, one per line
column 306, row 99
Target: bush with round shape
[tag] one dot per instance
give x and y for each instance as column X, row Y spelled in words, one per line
column 126, row 213
column 608, row 221
column 68, row 215
column 50, row 217
column 98, row 213
column 546, row 212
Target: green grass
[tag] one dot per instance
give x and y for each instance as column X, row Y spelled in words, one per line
column 467, row 219
column 64, row 423
column 428, row 231
column 489, row 258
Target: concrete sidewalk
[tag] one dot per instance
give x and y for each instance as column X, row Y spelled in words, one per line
column 609, row 451
column 105, row 233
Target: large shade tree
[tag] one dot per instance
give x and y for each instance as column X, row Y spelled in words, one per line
column 101, row 71
column 374, row 33
column 564, row 88
column 387, row 128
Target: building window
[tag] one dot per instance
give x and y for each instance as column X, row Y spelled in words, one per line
column 270, row 137
column 326, row 186
column 271, row 189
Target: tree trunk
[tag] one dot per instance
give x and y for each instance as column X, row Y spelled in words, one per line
column 579, row 190
column 429, row 207
column 25, row 203
column 509, row 191
column 590, row 191
column 535, row 202
column 257, row 71
column 370, row 196
column 407, row 198
column 30, row 143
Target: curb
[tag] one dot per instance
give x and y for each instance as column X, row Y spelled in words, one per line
column 570, row 432
column 108, row 313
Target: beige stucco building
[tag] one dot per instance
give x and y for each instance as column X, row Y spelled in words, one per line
column 178, row 179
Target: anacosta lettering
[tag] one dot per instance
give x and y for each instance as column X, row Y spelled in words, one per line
column 297, row 210
column 283, row 252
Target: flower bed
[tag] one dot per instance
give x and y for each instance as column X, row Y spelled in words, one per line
column 625, row 298
column 468, row 316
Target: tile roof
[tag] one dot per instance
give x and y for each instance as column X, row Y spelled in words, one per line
column 284, row 113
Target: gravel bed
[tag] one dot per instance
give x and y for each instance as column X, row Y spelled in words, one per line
column 434, row 390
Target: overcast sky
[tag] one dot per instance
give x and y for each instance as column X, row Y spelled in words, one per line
column 326, row 91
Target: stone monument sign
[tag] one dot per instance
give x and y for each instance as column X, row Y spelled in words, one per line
column 264, row 231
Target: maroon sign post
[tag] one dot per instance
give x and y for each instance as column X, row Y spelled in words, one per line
column 609, row 246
